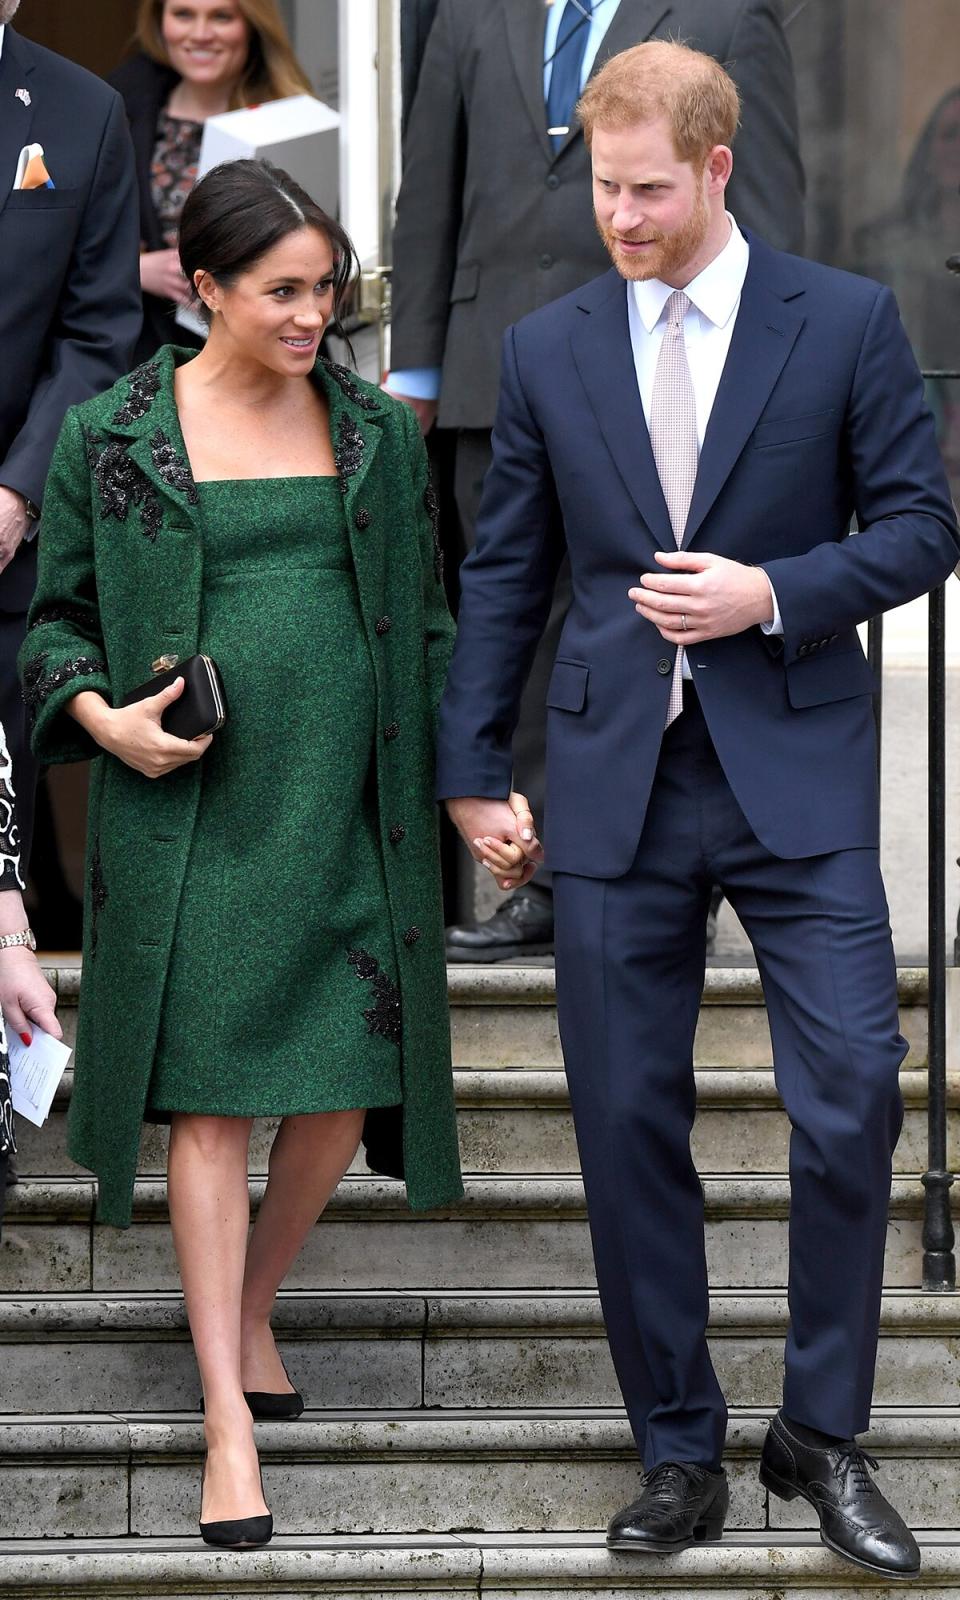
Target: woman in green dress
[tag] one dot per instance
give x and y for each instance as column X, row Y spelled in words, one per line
column 263, row 933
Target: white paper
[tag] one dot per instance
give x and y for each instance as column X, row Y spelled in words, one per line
column 35, row 1072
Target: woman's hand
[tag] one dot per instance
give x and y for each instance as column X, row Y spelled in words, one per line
column 160, row 274
column 26, row 998
column 133, row 733
column 512, row 864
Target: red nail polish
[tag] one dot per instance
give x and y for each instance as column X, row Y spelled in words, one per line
column 25, row 1037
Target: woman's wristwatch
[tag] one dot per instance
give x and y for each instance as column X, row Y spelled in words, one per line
column 26, row 937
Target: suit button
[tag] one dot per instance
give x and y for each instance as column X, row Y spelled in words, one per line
column 664, row 667
column 410, row 937
column 362, row 520
column 545, row 262
column 802, row 649
column 383, row 626
column 398, row 833
column 553, row 182
column 391, row 731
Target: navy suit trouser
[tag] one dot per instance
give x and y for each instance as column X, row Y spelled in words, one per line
column 630, row 965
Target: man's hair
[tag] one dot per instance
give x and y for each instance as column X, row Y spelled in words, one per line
column 664, row 79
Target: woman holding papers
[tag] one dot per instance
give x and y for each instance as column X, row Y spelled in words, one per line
column 26, row 998
column 264, row 932
column 197, row 58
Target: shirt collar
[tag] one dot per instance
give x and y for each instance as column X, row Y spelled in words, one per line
column 714, row 292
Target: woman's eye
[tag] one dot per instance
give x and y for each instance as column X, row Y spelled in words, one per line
column 283, row 292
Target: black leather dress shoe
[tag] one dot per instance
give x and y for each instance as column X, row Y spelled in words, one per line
column 855, row 1519
column 681, row 1504
column 523, row 926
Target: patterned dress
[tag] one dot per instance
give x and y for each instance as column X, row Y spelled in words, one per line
column 173, row 172
column 9, row 879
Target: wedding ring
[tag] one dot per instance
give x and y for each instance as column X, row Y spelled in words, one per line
column 683, row 621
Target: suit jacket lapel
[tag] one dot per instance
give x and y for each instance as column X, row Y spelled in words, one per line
column 632, row 24
column 604, row 358
column 16, row 119
column 525, row 21
column 765, row 332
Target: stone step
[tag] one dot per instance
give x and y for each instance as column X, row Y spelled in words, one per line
column 518, row 1120
column 493, row 1566
column 392, row 1472
column 507, row 1232
column 375, row 1351
column 506, row 1016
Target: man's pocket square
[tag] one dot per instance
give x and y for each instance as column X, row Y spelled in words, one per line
column 32, row 170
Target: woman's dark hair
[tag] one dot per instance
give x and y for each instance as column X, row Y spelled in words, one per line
column 239, row 211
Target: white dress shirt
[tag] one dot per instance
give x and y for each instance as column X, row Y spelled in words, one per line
column 3, row 29
column 714, row 296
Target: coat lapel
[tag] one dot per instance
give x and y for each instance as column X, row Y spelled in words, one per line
column 634, row 22
column 604, row 358
column 766, row 330
column 525, row 21
column 16, row 119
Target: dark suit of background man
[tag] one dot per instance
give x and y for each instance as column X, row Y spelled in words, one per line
column 750, row 418
column 69, row 311
column 493, row 220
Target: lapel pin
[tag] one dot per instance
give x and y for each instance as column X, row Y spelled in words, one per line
column 24, row 96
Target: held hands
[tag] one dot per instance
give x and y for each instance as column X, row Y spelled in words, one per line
column 501, row 835
column 13, row 524
column 160, row 274
column 26, row 997
column 713, row 596
column 134, row 735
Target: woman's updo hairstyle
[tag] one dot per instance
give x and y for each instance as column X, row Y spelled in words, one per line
column 239, row 211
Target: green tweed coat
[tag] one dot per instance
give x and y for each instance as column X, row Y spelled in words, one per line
column 120, row 583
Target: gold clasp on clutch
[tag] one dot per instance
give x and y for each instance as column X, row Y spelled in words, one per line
column 164, row 663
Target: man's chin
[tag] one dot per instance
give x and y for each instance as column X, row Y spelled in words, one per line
column 636, row 265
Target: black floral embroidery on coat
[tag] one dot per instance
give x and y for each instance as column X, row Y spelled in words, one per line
column 144, row 388
column 383, row 1016
column 8, row 1143
column 98, row 895
column 431, row 505
column 351, row 388
column 39, row 684
column 64, row 613
column 173, row 469
column 122, row 485
column 348, row 451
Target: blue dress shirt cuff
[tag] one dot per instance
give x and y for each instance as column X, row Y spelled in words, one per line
column 416, row 383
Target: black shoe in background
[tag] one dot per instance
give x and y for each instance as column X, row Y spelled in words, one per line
column 681, row 1504
column 856, row 1521
column 522, row 926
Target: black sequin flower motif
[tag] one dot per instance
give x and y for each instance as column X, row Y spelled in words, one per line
column 173, row 469
column 348, row 451
column 39, row 684
column 383, row 1016
column 351, row 388
column 65, row 613
column 98, row 894
column 122, row 485
column 431, row 505
column 144, row 388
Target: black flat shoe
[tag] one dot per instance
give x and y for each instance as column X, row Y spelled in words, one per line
column 237, row 1533
column 681, row 1504
column 521, row 927
column 856, row 1521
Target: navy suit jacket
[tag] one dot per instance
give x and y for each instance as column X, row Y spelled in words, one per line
column 819, row 418
column 69, row 266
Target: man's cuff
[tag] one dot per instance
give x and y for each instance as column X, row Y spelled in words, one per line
column 775, row 627
column 414, row 383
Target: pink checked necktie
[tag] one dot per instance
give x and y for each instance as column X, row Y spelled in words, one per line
column 673, row 435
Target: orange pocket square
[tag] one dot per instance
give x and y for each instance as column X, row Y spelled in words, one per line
column 36, row 175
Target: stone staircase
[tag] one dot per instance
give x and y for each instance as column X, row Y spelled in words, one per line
column 464, row 1435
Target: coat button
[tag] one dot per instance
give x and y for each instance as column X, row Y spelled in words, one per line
column 362, row 520
column 545, row 262
column 391, row 731
column 383, row 625
column 664, row 667
column 553, row 182
column 398, row 833
column 410, row 937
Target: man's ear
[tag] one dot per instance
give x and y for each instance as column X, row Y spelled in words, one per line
column 719, row 168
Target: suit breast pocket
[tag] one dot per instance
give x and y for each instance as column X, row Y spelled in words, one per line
column 794, row 430
column 39, row 202
column 568, row 686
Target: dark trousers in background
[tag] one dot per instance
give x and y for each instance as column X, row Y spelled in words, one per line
column 630, row 965
column 473, row 457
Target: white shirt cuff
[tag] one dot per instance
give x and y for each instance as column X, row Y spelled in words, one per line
column 776, row 626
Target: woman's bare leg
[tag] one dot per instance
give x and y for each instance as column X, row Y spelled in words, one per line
column 310, row 1154
column 210, row 1215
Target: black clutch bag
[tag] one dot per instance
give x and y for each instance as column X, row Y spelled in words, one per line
column 202, row 707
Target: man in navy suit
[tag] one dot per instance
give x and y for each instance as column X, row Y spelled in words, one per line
column 697, row 428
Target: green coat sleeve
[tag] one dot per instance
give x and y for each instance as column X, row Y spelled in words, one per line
column 63, row 653
column 439, row 628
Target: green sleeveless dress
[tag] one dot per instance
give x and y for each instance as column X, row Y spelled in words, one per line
column 283, row 915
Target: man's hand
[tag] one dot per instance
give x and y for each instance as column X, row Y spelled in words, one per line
column 715, row 597
column 13, row 524
column 426, row 410
column 501, row 835
column 161, row 274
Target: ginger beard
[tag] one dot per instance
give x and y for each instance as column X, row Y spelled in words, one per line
column 668, row 253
